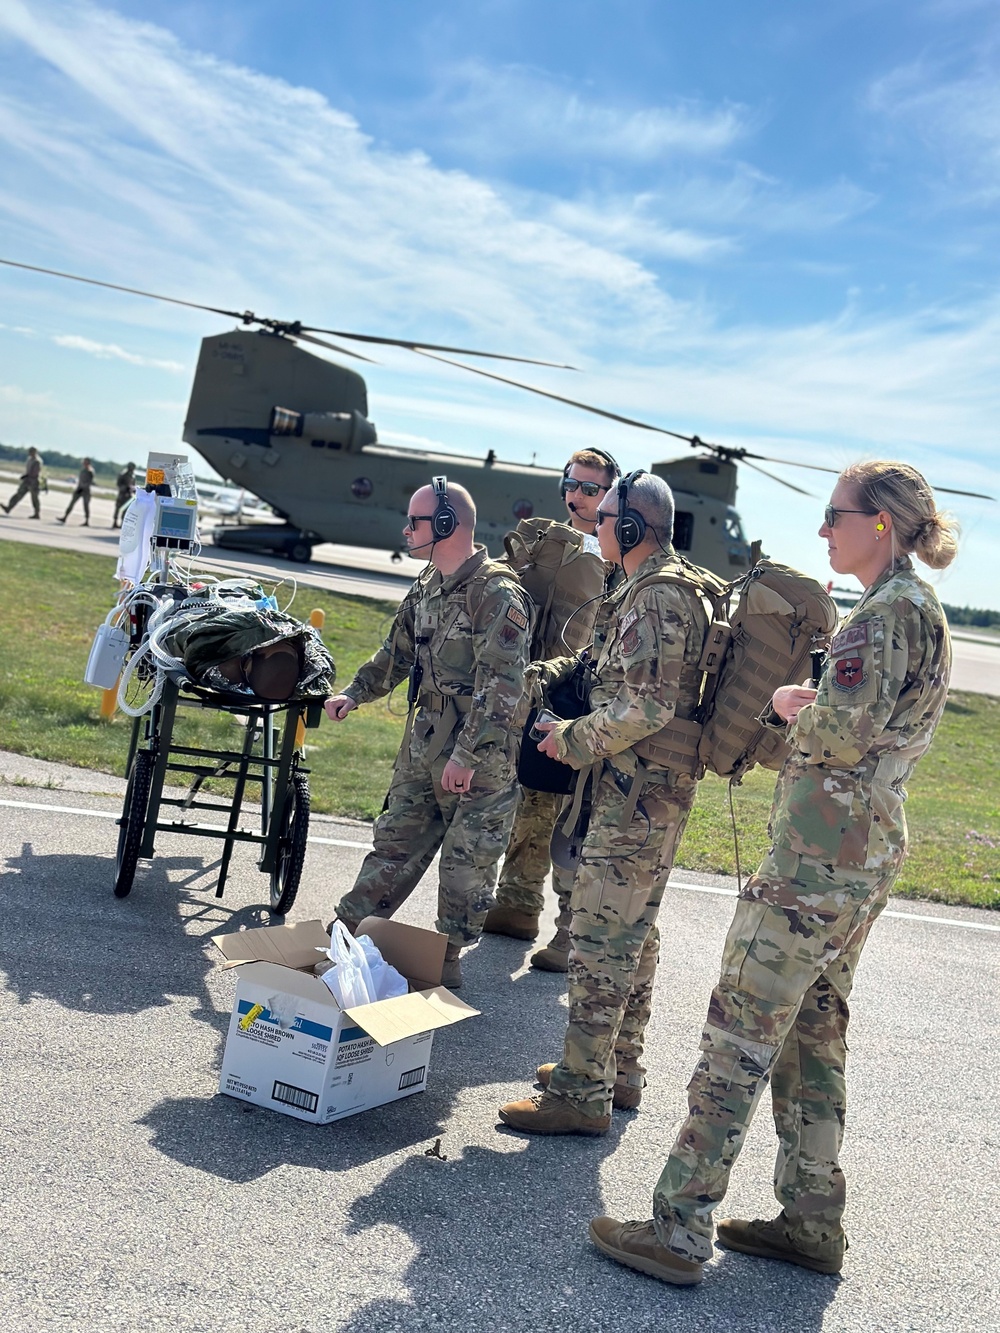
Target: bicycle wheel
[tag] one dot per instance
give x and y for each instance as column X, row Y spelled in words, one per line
column 291, row 851
column 132, row 822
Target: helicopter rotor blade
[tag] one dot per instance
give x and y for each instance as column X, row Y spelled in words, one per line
column 977, row 495
column 412, row 346
column 780, row 480
column 344, row 351
column 557, row 398
column 133, row 291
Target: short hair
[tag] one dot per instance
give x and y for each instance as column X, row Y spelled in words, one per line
column 654, row 500
column 917, row 523
column 591, row 458
column 463, row 504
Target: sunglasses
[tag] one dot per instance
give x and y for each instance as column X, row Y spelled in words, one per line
column 413, row 519
column 830, row 515
column 588, row 487
column 602, row 514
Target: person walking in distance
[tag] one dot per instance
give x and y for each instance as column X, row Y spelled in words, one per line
column 29, row 484
column 779, row 1012
column 82, row 492
column 460, row 636
column 126, row 489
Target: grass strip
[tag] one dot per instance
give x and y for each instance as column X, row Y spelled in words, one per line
column 52, row 601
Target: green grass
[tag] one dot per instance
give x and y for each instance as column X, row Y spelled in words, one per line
column 53, row 601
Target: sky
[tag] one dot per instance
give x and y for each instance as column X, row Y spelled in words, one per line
column 773, row 226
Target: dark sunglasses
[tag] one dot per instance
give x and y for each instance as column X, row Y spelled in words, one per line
column 413, row 519
column 830, row 515
column 588, row 487
column 602, row 514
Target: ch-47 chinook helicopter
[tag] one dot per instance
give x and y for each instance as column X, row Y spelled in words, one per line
column 292, row 428
column 260, row 414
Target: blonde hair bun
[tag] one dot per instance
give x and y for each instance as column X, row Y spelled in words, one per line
column 918, row 526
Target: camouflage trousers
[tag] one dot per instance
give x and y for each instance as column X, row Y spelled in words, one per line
column 418, row 819
column 780, row 1010
column 614, row 941
column 527, row 862
column 81, row 493
column 26, row 488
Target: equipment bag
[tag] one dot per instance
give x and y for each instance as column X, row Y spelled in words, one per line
column 764, row 626
column 560, row 578
column 569, row 698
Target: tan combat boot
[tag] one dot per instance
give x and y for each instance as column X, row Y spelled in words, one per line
column 509, row 921
column 451, row 968
column 549, row 1114
column 555, row 956
column 636, row 1245
column 775, row 1240
column 626, row 1098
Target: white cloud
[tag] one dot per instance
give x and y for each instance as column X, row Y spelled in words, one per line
column 954, row 116
column 495, row 113
column 112, row 352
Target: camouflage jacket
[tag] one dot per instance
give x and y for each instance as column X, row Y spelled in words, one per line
column 840, row 794
column 467, row 632
column 650, row 645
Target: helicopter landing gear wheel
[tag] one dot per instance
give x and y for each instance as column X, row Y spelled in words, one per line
column 397, row 558
column 300, row 552
column 132, row 822
column 291, row 849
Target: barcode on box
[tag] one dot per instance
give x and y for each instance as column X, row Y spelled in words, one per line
column 300, row 1098
column 412, row 1077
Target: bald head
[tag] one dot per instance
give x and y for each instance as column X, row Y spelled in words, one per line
column 424, row 501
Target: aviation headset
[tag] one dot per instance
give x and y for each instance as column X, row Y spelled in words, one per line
column 609, row 463
column 630, row 526
column 444, row 520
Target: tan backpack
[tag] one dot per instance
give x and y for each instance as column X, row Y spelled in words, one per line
column 764, row 628
column 563, row 581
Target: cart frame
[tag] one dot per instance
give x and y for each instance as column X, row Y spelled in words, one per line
column 274, row 765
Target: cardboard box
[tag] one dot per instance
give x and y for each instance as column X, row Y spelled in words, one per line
column 292, row 1048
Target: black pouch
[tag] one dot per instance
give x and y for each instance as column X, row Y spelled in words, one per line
column 569, row 698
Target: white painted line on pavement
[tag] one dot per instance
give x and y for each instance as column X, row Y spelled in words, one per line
column 58, row 809
column 903, row 916
column 367, row 846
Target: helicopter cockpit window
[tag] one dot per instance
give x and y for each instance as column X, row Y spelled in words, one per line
column 683, row 530
column 734, row 529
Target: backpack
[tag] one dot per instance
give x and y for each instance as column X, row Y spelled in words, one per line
column 561, row 579
column 763, row 628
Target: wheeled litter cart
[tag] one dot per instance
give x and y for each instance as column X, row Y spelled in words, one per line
column 268, row 758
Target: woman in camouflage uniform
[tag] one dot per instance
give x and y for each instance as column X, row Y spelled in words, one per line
column 838, row 838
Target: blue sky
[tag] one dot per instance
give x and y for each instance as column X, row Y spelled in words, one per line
column 775, row 226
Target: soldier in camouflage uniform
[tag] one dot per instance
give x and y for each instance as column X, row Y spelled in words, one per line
column 461, row 636
column 647, row 674
column 838, row 835
column 520, row 897
column 30, row 484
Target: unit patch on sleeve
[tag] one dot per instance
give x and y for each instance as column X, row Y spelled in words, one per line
column 850, row 673
column 854, row 636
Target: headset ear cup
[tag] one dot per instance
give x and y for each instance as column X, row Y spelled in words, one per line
column 629, row 531
column 445, row 519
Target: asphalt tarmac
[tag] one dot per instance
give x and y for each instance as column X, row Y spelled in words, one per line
column 138, row 1198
